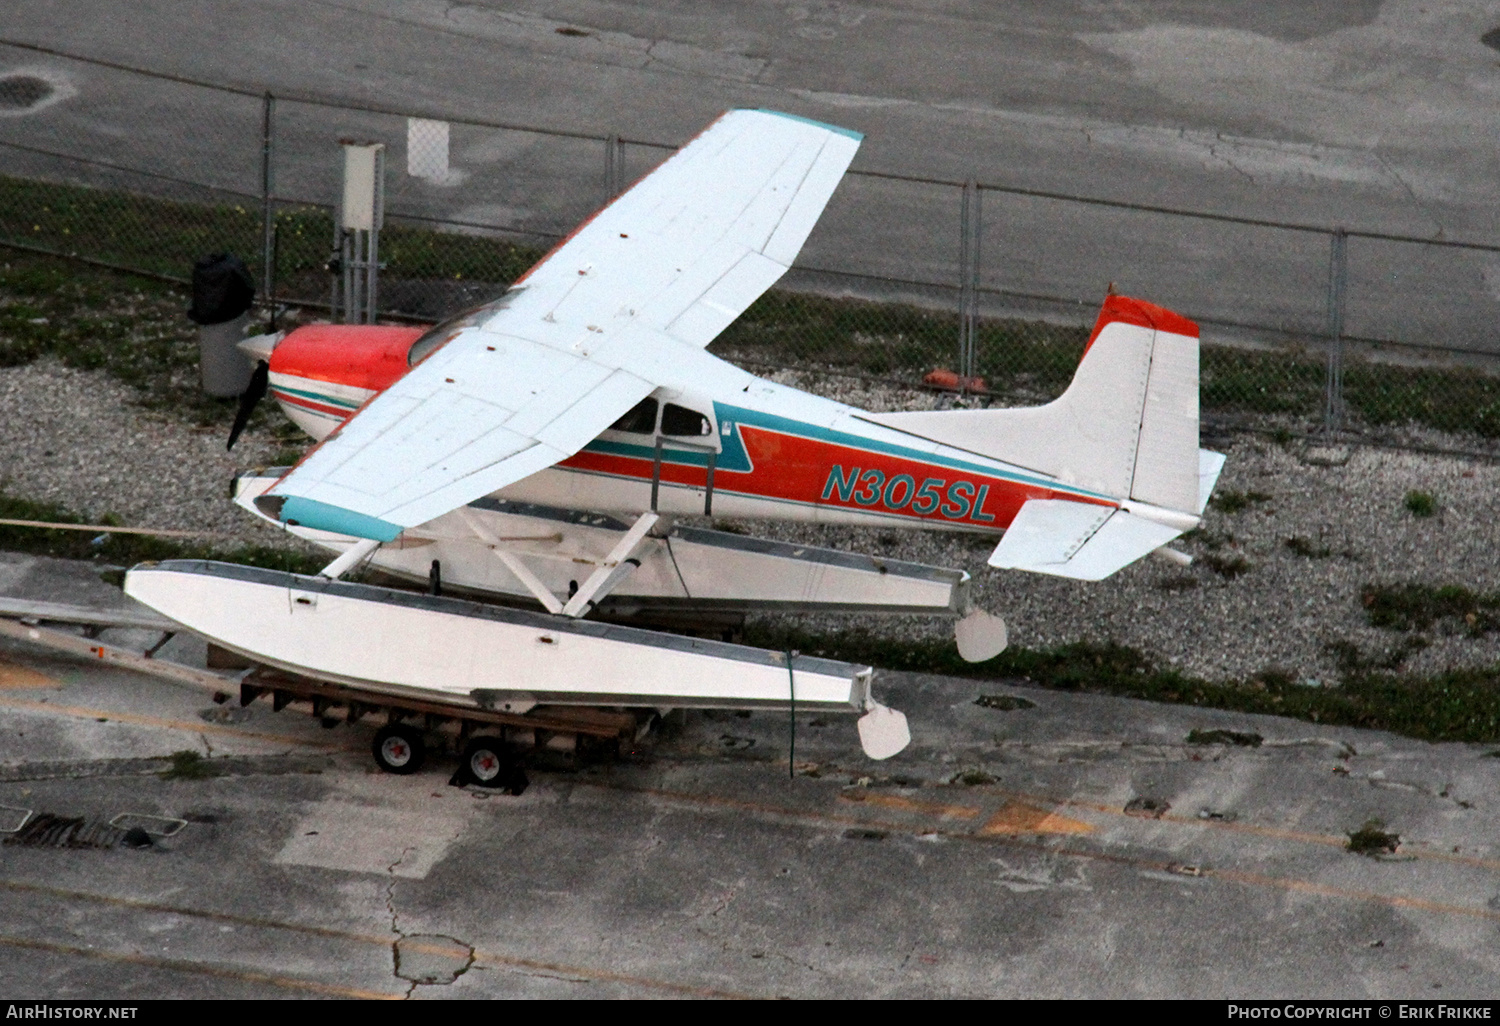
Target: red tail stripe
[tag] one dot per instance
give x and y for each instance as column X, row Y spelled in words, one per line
column 1142, row 313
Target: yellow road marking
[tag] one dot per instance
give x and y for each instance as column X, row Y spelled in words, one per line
column 896, row 801
column 84, row 713
column 1020, row 818
column 14, row 678
column 1236, row 826
column 202, row 968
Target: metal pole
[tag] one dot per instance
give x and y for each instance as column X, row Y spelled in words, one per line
column 963, row 284
column 267, row 213
column 791, row 688
column 1338, row 277
column 976, row 238
column 372, row 274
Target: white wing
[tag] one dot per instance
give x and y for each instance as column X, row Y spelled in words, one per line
column 586, row 334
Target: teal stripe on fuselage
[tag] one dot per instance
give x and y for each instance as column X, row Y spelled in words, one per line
column 802, row 429
column 318, row 397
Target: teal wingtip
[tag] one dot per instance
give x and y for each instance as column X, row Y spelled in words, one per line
column 851, row 133
column 324, row 516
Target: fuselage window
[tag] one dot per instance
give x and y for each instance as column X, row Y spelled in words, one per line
column 681, row 421
column 640, row 420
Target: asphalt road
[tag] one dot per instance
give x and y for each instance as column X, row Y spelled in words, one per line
column 1376, row 116
column 698, row 867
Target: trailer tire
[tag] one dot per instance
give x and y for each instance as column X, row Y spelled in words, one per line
column 489, row 762
column 398, row 749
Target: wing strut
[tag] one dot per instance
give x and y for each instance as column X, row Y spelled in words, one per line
column 352, row 557
column 513, row 564
column 615, row 568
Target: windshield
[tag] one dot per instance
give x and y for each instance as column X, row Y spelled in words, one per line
column 433, row 338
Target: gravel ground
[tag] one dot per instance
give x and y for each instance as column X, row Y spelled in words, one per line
column 76, row 438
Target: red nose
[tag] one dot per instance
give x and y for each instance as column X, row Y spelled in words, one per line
column 360, row 355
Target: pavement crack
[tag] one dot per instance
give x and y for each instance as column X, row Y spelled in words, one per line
column 423, row 959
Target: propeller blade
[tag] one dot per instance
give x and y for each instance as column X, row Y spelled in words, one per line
column 253, row 394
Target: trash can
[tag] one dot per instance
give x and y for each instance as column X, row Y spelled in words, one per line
column 222, row 293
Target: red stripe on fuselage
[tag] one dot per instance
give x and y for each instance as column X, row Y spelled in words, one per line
column 802, row 470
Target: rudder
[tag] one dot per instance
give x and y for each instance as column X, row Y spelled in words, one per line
column 1126, row 427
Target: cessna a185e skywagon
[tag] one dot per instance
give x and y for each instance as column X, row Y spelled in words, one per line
column 540, row 446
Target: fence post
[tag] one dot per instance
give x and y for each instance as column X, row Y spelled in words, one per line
column 267, row 213
column 1338, row 277
column 968, row 287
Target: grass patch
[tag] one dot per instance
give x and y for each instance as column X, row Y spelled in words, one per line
column 164, row 236
column 1373, row 839
column 189, row 765
column 1420, row 504
column 1456, row 705
column 1420, row 607
column 127, row 549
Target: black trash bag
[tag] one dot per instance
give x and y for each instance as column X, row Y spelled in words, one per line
column 222, row 289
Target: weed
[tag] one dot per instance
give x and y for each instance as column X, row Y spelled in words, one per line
column 189, row 765
column 1228, row 567
column 1211, row 540
column 1372, row 839
column 1231, row 501
column 1244, row 738
column 972, row 778
column 1302, row 547
column 1420, row 504
column 1183, row 582
column 1408, row 607
column 1352, row 660
column 1008, row 703
column 1282, row 437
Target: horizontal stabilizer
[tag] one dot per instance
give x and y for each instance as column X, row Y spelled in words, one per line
column 1078, row 540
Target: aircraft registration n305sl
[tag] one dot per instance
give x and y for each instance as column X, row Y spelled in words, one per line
column 541, row 445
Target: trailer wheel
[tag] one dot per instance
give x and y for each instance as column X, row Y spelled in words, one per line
column 489, row 762
column 398, row 749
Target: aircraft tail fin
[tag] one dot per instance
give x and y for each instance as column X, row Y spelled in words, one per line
column 1126, row 428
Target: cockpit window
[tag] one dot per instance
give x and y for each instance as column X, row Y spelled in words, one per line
column 641, row 420
column 681, row 421
column 439, row 334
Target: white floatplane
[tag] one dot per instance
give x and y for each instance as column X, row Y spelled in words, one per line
column 540, row 446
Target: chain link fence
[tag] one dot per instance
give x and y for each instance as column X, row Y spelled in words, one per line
column 1306, row 327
